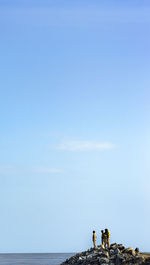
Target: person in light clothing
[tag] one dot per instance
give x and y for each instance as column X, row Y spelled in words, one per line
column 106, row 238
column 94, row 239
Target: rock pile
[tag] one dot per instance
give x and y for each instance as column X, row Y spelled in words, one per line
column 116, row 254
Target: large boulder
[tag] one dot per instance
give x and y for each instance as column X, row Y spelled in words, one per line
column 129, row 251
column 116, row 251
column 119, row 259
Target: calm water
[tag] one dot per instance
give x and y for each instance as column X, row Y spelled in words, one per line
column 34, row 259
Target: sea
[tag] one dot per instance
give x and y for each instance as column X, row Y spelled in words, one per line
column 34, row 259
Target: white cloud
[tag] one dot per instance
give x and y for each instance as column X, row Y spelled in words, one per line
column 85, row 146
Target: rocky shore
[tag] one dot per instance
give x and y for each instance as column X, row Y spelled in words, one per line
column 116, row 254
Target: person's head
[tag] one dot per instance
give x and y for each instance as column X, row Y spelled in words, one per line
column 106, row 230
column 102, row 231
column 93, row 232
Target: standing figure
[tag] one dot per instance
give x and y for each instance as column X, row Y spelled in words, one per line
column 94, row 239
column 107, row 238
column 102, row 238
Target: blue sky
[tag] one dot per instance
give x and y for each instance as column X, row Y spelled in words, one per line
column 75, row 124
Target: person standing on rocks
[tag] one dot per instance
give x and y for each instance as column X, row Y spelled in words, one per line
column 102, row 238
column 94, row 239
column 107, row 238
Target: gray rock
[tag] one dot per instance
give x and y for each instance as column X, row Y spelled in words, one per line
column 119, row 259
column 105, row 255
column 112, row 258
column 115, row 255
column 103, row 260
column 121, row 247
column 111, row 252
column 116, row 251
column 89, row 256
column 125, row 255
column 113, row 246
column 139, row 259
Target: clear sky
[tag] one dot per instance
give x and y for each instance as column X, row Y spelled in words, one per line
column 75, row 123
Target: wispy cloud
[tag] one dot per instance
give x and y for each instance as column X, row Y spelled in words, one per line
column 17, row 170
column 85, row 146
column 44, row 170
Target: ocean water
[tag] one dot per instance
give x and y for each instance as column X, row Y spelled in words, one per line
column 34, row 259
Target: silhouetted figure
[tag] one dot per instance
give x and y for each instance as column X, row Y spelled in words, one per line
column 94, row 239
column 102, row 238
column 106, row 238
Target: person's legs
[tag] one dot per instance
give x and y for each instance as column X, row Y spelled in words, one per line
column 107, row 243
